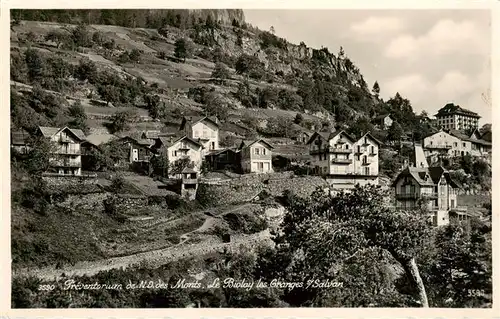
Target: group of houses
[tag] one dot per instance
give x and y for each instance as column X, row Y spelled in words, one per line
column 344, row 161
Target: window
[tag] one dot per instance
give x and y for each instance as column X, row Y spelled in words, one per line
column 367, row 171
column 257, row 151
column 260, row 166
column 455, row 144
column 372, row 149
column 196, row 134
column 463, row 144
column 263, row 151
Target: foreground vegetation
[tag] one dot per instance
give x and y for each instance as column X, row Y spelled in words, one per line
column 382, row 258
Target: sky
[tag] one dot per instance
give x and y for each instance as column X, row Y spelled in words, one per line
column 431, row 57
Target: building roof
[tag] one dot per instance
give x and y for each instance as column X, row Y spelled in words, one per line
column 464, row 137
column 141, row 142
column 327, row 136
column 98, row 139
column 195, row 119
column 487, row 136
column 450, row 109
column 428, row 176
column 168, row 141
column 51, row 131
column 248, row 143
column 19, row 137
column 217, row 152
column 189, row 170
column 151, row 134
column 372, row 137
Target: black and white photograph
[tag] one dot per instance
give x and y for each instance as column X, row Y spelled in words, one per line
column 250, row 158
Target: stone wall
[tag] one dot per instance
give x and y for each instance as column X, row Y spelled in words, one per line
column 77, row 184
column 245, row 188
column 94, row 202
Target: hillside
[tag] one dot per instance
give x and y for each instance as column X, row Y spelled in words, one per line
column 126, row 60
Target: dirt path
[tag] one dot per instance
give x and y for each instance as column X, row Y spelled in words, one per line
column 151, row 259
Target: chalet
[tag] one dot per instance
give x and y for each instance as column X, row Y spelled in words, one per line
column 179, row 147
column 343, row 160
column 384, row 121
column 224, row 159
column 430, row 187
column 203, row 129
column 136, row 150
column 256, row 156
column 19, row 141
column 92, row 144
column 66, row 155
column 456, row 143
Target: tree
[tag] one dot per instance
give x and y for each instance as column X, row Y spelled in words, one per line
column 376, row 89
column 57, row 36
column 135, row 56
column 215, row 106
column 179, row 165
column 87, row 70
column 121, row 120
column 39, row 156
column 183, row 49
column 395, row 132
column 79, row 116
column 34, row 63
column 298, row 119
column 109, row 93
column 341, row 54
column 81, row 36
column 156, row 107
column 220, row 72
column 271, row 29
column 322, row 233
column 161, row 164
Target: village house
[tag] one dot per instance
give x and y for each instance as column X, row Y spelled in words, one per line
column 137, row 151
column 189, row 183
column 454, row 117
column 343, row 160
column 203, row 129
column 92, row 144
column 224, row 159
column 66, row 154
column 19, row 141
column 384, row 121
column 255, row 156
column 431, row 188
column 179, row 147
column 453, row 143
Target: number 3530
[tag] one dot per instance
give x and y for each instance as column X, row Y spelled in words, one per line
column 475, row 293
column 46, row 287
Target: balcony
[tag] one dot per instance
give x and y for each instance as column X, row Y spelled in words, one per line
column 438, row 147
column 408, row 196
column 339, row 150
column 342, row 161
column 366, row 163
column 67, row 164
column 189, row 181
column 64, row 139
column 372, row 153
column 68, row 152
column 459, row 209
column 430, row 195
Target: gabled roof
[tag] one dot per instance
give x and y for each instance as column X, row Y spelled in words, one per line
column 248, row 143
column 169, row 141
column 418, row 174
column 19, row 137
column 462, row 136
column 368, row 134
column 141, row 142
column 327, row 136
column 151, row 134
column 487, row 136
column 196, row 119
column 51, row 131
column 217, row 152
column 98, row 139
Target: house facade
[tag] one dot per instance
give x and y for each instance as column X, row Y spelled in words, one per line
column 66, row 154
column 224, row 159
column 343, row 160
column 178, row 148
column 19, row 140
column 456, row 143
column 431, row 188
column 256, row 156
column 454, row 117
column 203, row 129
